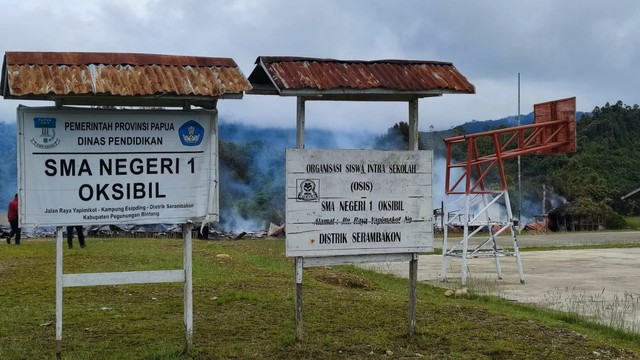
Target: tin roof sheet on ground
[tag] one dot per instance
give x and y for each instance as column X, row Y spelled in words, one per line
column 59, row 75
column 356, row 79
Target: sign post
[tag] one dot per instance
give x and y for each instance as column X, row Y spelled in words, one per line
column 357, row 206
column 87, row 166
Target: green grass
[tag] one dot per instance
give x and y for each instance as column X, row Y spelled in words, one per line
column 244, row 309
column 633, row 222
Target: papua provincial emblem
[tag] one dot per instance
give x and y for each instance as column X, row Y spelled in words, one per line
column 307, row 190
column 191, row 133
column 47, row 138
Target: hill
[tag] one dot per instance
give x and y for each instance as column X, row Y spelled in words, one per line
column 476, row 126
column 605, row 167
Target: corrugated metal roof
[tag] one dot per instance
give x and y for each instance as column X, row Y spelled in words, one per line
column 300, row 76
column 57, row 75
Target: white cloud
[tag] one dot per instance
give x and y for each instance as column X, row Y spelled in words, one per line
column 562, row 49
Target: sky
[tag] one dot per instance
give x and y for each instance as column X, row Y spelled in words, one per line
column 586, row 49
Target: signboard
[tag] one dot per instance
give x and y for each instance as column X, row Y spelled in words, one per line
column 358, row 202
column 563, row 110
column 90, row 166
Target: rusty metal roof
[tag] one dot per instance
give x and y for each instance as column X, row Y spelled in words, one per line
column 129, row 79
column 356, row 79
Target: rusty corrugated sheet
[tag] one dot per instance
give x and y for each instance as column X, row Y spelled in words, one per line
column 298, row 73
column 557, row 110
column 38, row 75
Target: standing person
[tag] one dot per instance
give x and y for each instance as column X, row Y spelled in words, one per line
column 70, row 236
column 12, row 216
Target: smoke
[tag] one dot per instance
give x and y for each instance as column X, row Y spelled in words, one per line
column 439, row 178
column 250, row 202
column 252, row 171
column 231, row 220
column 533, row 199
column 481, row 209
column 324, row 139
column 554, row 200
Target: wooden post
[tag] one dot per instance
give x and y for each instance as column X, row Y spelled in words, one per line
column 413, row 263
column 413, row 283
column 300, row 113
column 413, row 125
column 188, row 285
column 298, row 310
column 300, row 123
column 59, row 284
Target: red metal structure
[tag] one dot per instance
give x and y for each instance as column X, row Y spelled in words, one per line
column 553, row 131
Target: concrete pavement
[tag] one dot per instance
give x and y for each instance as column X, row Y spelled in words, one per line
column 599, row 282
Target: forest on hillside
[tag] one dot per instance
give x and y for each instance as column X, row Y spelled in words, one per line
column 592, row 180
column 605, row 166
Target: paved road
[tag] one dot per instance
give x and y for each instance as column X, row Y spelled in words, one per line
column 602, row 282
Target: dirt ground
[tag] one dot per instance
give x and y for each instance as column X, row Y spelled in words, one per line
column 600, row 282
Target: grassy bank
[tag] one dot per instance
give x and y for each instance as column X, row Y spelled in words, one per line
column 632, row 222
column 244, row 309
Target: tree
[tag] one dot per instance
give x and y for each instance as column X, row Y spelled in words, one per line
column 397, row 138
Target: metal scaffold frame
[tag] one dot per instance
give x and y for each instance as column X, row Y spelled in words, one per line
column 479, row 225
column 474, row 198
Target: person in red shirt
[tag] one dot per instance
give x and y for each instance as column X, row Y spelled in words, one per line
column 12, row 216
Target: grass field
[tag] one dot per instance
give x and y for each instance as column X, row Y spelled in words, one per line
column 244, row 309
column 633, row 222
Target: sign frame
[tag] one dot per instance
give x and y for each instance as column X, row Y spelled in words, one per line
column 358, row 202
column 79, row 176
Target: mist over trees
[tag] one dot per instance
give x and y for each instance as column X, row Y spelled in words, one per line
column 252, row 171
column 8, row 165
column 605, row 166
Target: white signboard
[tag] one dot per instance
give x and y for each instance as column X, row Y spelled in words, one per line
column 358, row 202
column 89, row 166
